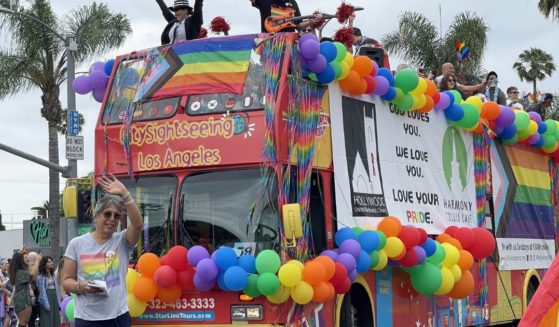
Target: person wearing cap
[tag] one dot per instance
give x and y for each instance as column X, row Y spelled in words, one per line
column 541, row 107
column 184, row 24
column 269, row 8
column 360, row 41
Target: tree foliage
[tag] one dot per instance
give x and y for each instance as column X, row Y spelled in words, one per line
column 549, row 8
column 534, row 65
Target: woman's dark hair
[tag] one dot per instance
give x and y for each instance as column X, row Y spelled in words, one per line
column 17, row 263
column 43, row 270
column 444, row 83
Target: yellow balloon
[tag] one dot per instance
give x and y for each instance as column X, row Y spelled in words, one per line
column 476, row 101
column 298, row 263
column 419, row 101
column 457, row 272
column 135, row 307
column 345, row 70
column 471, row 129
column 551, row 148
column 289, row 275
column 302, row 293
column 382, row 260
column 452, row 255
column 447, row 282
column 131, row 277
column 349, row 60
column 280, row 296
column 420, row 88
column 394, row 247
column 533, row 127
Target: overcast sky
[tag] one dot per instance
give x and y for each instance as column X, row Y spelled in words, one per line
column 515, row 25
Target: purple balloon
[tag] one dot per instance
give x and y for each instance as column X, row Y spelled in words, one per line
column 97, row 66
column 506, row 117
column 305, row 63
column 353, row 276
column 201, row 284
column 382, row 85
column 533, row 139
column 81, row 85
column 308, row 37
column 196, row 254
column 329, row 253
column 444, row 102
column 310, row 49
column 421, row 254
column 374, row 72
column 347, row 260
column 98, row 79
column 98, row 95
column 65, row 303
column 535, row 117
column 317, row 64
column 207, row 269
column 352, row 247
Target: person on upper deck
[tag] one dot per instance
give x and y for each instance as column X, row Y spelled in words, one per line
column 268, row 8
column 184, row 24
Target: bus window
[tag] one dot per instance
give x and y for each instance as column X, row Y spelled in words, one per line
column 229, row 208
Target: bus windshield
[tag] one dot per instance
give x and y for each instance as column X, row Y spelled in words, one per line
column 232, row 208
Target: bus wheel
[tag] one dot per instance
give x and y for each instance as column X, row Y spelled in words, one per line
column 356, row 308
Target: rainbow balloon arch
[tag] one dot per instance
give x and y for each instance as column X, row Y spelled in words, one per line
column 327, row 62
column 436, row 267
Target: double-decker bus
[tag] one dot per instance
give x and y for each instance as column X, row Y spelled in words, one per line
column 213, row 136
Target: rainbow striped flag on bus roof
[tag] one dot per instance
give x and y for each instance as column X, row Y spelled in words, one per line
column 215, row 65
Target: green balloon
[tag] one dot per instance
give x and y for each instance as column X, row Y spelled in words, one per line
column 374, row 258
column 427, row 279
column 251, row 289
column 267, row 261
column 512, row 140
column 551, row 126
column 357, row 230
column 524, row 133
column 337, row 68
column 407, row 103
column 381, row 240
column 457, row 96
column 548, row 140
column 399, row 96
column 470, row 118
column 313, row 77
column 268, row 283
column 340, row 51
column 70, row 310
column 521, row 120
column 406, row 79
column 439, row 254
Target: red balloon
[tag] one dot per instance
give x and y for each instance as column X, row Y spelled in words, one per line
column 343, row 287
column 177, row 257
column 410, row 259
column 436, row 98
column 465, row 236
column 422, row 235
column 371, row 84
column 185, row 278
column 484, row 244
column 164, row 260
column 450, row 230
column 339, row 275
column 410, row 236
column 165, row 276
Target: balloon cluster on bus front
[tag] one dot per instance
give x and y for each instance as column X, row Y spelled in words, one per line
column 96, row 81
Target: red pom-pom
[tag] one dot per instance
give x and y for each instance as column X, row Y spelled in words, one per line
column 345, row 36
column 344, row 12
column 203, row 33
column 318, row 23
column 219, row 24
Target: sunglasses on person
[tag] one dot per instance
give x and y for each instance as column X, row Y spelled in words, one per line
column 451, row 80
column 111, row 214
column 514, row 92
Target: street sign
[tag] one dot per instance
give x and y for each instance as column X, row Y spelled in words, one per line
column 74, row 147
column 73, row 122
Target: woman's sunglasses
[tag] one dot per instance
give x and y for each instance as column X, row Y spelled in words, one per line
column 111, row 214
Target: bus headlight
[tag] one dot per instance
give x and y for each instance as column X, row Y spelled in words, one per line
column 247, row 312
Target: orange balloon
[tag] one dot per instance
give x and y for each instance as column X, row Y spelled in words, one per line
column 314, row 272
column 463, row 287
column 321, row 292
column 169, row 294
column 361, row 88
column 466, row 260
column 331, row 291
column 444, row 237
column 145, row 289
column 454, row 242
column 328, row 264
column 428, row 104
column 390, row 226
column 148, row 264
column 490, row 110
column 351, row 82
column 362, row 65
column 431, row 88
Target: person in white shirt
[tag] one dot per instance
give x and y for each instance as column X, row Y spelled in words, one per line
column 184, row 24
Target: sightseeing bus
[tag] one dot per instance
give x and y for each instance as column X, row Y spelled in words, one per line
column 209, row 138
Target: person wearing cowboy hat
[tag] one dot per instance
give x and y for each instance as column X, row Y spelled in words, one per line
column 184, row 24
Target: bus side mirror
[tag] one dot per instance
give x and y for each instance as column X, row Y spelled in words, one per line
column 292, row 226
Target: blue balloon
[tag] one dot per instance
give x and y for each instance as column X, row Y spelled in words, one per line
column 390, row 95
column 429, row 246
column 343, row 234
column 225, row 258
column 454, row 113
column 363, row 262
column 305, row 73
column 221, row 281
column 451, row 96
column 386, row 74
column 328, row 50
column 109, row 66
column 369, row 240
column 542, row 128
column 539, row 143
column 248, row 263
column 327, row 75
column 235, row 278
column 508, row 132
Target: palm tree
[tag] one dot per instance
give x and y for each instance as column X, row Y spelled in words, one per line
column 417, row 41
column 534, row 65
column 549, row 8
column 42, row 211
column 36, row 59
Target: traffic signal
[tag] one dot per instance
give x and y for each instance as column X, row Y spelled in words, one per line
column 84, row 207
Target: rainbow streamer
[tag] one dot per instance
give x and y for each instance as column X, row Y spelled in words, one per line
column 481, row 158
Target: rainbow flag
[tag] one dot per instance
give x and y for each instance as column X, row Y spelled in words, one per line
column 215, row 65
column 543, row 309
